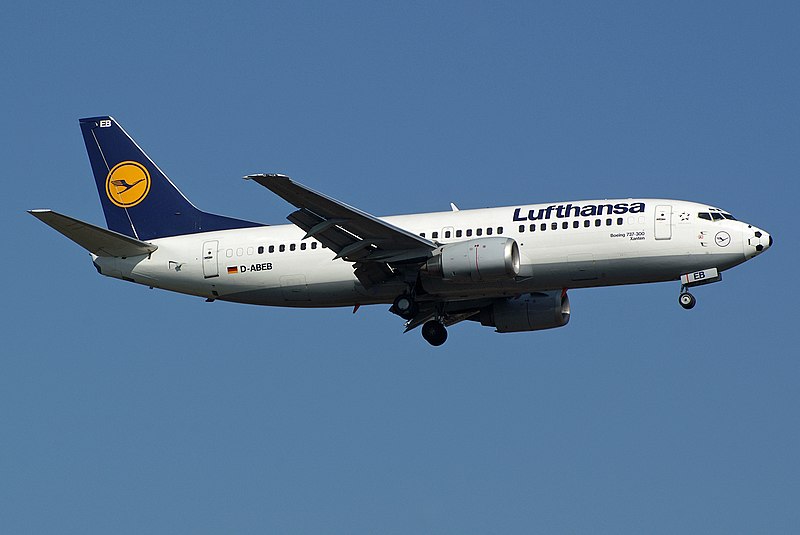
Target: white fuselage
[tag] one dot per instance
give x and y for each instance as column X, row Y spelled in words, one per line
column 566, row 245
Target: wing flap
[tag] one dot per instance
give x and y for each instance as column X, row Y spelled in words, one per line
column 96, row 240
column 449, row 313
column 371, row 273
column 326, row 231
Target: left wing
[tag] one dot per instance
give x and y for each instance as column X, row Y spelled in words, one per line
column 356, row 236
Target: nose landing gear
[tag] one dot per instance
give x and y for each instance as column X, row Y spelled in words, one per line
column 696, row 278
column 686, row 299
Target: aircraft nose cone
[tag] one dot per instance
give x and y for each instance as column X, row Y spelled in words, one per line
column 761, row 240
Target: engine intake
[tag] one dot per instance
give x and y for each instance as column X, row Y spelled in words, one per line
column 478, row 260
column 532, row 312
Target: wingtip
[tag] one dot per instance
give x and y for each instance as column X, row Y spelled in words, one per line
column 273, row 176
column 37, row 211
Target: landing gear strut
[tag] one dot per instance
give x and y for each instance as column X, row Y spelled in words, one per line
column 686, row 299
column 434, row 332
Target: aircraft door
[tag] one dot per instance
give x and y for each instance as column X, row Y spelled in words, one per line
column 295, row 288
column 663, row 219
column 210, row 265
column 582, row 267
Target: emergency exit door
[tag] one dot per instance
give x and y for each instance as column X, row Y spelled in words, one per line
column 210, row 266
column 663, row 218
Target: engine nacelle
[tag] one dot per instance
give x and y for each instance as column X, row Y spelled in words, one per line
column 478, row 260
column 532, row 312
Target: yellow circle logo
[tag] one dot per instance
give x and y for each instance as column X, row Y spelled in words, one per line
column 127, row 184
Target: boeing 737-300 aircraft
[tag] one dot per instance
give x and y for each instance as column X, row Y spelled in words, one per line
column 507, row 268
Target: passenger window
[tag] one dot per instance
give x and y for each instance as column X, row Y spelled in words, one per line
column 533, row 227
column 587, row 223
column 554, row 226
column 313, row 245
column 479, row 232
column 522, row 228
column 565, row 225
column 499, row 230
column 422, row 234
column 303, row 246
column 489, row 231
column 260, row 249
column 271, row 248
column 543, row 227
column 239, row 251
column 434, row 235
column 469, row 232
column 597, row 222
column 229, row 252
column 608, row 222
column 446, row 233
column 281, row 248
column 458, row 233
column 292, row 247
column 619, row 220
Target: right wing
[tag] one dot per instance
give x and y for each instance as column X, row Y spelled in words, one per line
column 356, row 236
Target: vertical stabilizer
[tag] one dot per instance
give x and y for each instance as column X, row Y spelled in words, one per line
column 137, row 197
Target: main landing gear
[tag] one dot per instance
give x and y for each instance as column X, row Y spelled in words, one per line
column 405, row 306
column 686, row 299
column 434, row 332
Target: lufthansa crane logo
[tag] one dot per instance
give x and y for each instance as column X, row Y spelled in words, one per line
column 127, row 184
column 722, row 238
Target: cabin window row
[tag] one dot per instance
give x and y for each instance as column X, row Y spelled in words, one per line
column 303, row 246
column 566, row 224
column 459, row 233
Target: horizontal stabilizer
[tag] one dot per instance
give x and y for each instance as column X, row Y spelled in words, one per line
column 97, row 240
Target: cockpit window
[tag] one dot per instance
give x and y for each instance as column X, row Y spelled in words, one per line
column 715, row 216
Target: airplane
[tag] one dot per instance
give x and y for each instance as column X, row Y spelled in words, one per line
column 509, row 267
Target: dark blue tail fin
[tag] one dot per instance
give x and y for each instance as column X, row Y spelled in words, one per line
column 138, row 199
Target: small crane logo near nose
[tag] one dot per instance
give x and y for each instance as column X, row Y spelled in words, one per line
column 722, row 238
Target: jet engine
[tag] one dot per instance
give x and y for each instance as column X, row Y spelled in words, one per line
column 531, row 312
column 478, row 260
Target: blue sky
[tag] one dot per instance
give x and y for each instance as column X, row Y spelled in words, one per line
column 636, row 417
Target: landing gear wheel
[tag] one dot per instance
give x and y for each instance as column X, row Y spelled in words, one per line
column 405, row 306
column 687, row 300
column 434, row 332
